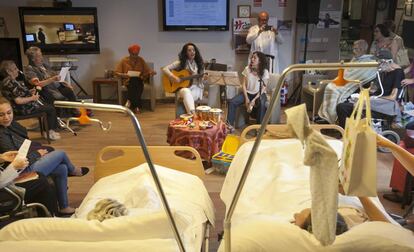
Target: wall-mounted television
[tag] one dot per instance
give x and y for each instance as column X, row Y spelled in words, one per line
column 60, row 30
column 195, row 15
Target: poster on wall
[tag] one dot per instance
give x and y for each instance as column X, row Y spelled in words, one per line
column 257, row 3
column 241, row 27
column 329, row 19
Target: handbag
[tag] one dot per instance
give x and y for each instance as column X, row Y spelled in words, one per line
column 402, row 57
column 358, row 169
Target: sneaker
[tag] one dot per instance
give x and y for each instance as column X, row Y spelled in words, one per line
column 53, row 135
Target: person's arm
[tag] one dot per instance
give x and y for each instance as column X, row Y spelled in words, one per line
column 253, row 33
column 408, row 69
column 120, row 71
column 374, row 214
column 394, row 49
column 167, row 70
column 402, row 155
column 25, row 100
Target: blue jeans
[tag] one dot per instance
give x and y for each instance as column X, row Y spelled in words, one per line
column 56, row 163
column 239, row 100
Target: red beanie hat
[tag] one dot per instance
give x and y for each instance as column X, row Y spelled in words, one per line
column 134, row 49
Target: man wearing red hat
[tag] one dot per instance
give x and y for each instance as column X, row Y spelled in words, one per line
column 133, row 70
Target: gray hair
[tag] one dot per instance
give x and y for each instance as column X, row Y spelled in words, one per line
column 31, row 51
column 4, row 66
column 362, row 44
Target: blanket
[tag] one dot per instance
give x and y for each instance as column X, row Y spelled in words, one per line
column 334, row 95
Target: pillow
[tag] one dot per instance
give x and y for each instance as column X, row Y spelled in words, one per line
column 148, row 226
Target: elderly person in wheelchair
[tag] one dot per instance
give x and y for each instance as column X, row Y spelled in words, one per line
column 333, row 94
column 384, row 95
column 37, row 188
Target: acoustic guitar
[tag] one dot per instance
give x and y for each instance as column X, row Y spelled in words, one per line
column 184, row 75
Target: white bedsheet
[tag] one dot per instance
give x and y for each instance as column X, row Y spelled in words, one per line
column 186, row 194
column 276, row 188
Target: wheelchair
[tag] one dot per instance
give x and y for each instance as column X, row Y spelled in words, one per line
column 13, row 207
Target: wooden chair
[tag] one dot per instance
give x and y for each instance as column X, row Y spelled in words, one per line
column 127, row 157
column 42, row 118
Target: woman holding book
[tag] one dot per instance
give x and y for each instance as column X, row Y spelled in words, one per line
column 38, row 189
column 139, row 71
column 41, row 159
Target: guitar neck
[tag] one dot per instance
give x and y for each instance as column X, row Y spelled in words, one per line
column 195, row 76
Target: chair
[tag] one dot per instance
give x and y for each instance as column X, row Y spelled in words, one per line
column 12, row 206
column 42, row 118
column 242, row 116
column 148, row 93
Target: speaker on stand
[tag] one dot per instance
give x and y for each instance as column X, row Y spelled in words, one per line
column 307, row 12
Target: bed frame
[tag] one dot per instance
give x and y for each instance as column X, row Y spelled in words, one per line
column 126, row 157
column 282, row 131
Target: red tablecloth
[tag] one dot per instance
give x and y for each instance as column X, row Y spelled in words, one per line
column 206, row 141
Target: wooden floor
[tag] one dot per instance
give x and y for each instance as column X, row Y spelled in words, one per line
column 83, row 148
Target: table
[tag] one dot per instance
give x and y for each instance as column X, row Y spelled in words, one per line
column 206, row 141
column 98, row 82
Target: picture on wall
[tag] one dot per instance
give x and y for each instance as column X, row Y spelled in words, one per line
column 329, row 19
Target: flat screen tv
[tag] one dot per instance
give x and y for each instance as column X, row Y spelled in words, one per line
column 60, row 30
column 195, row 15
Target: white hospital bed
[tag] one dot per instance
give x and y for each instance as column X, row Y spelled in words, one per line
column 278, row 184
column 146, row 226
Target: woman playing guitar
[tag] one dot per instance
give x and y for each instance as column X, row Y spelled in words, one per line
column 188, row 59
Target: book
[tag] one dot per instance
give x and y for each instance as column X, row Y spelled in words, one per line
column 26, row 176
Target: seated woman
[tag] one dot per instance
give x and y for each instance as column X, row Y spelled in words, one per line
column 135, row 85
column 40, row 74
column 255, row 79
column 25, row 101
column 391, row 84
column 37, row 190
column 40, row 159
column 191, row 60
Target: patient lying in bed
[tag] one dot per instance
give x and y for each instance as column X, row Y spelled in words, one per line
column 277, row 187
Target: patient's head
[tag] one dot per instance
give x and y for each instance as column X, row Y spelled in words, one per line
column 304, row 221
column 359, row 48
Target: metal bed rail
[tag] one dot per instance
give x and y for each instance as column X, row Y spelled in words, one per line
column 140, row 136
column 276, row 98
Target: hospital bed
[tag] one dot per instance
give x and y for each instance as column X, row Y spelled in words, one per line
column 267, row 183
column 146, row 226
column 152, row 222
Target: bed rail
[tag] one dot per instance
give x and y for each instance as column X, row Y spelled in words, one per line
column 276, row 98
column 140, row 136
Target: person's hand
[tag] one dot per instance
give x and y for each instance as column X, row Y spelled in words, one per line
column 35, row 97
column 8, row 156
column 20, row 163
column 55, row 78
column 33, row 91
column 205, row 76
column 151, row 73
column 66, row 84
column 274, row 30
column 406, row 82
column 42, row 152
column 247, row 103
column 175, row 79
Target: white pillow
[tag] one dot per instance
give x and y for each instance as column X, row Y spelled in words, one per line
column 149, row 226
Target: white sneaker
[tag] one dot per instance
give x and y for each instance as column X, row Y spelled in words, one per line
column 53, row 135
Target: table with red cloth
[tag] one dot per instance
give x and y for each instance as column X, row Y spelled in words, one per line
column 206, row 141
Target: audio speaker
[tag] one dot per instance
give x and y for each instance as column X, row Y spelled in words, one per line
column 307, row 11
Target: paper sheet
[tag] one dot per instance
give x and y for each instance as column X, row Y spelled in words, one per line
column 24, row 149
column 63, row 72
column 134, row 73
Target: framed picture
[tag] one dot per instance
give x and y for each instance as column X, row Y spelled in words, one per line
column 243, row 11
